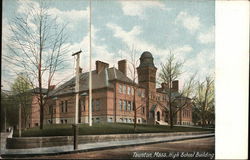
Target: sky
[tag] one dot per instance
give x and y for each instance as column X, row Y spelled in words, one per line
column 184, row 27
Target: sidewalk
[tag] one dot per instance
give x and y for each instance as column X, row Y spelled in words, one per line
column 95, row 146
column 3, row 136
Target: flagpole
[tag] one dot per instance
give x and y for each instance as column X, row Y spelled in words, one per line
column 90, row 67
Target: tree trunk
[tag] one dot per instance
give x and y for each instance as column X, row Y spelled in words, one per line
column 134, row 105
column 180, row 117
column 40, row 74
column 170, row 105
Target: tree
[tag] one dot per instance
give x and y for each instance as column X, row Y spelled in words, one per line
column 185, row 97
column 134, row 61
column 204, row 100
column 22, row 95
column 171, row 71
column 37, row 48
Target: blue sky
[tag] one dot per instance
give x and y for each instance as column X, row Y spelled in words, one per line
column 184, row 27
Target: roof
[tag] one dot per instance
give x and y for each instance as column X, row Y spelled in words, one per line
column 99, row 81
column 175, row 94
column 36, row 90
column 146, row 54
column 6, row 92
column 146, row 60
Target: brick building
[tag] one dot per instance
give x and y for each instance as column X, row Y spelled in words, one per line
column 113, row 97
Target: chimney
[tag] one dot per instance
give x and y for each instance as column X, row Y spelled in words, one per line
column 80, row 70
column 122, row 66
column 175, row 85
column 51, row 87
column 164, row 86
column 100, row 66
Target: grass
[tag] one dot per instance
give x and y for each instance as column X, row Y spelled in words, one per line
column 101, row 128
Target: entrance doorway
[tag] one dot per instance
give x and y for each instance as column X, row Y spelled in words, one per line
column 158, row 116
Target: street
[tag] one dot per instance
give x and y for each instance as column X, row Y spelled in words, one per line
column 205, row 146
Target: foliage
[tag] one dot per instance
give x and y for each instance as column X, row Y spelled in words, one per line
column 22, row 97
column 204, row 101
column 171, row 71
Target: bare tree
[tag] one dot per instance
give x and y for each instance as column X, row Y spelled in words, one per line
column 36, row 47
column 204, row 99
column 185, row 97
column 133, row 63
column 170, row 71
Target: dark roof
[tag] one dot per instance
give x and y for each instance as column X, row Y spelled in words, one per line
column 146, row 60
column 36, row 90
column 175, row 94
column 100, row 80
column 6, row 92
column 146, row 54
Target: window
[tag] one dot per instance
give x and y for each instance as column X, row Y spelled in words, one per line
column 129, row 105
column 83, row 105
column 139, row 92
column 143, row 110
column 66, row 106
column 125, row 105
column 50, row 109
column 120, row 104
column 121, row 119
column 97, row 119
column 97, row 105
column 62, row 106
column 126, row 120
column 129, row 90
column 110, row 120
column 120, row 88
column 143, row 93
column 62, row 121
column 132, row 91
column 65, row 121
column 93, row 105
column 124, row 89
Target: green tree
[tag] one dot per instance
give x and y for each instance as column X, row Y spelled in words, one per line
column 204, row 101
column 22, row 95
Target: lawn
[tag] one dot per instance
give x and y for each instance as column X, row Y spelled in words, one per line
column 101, row 128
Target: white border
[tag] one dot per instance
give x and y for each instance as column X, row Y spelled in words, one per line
column 232, row 79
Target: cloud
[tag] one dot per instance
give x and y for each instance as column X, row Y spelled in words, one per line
column 131, row 39
column 137, row 8
column 203, row 63
column 207, row 37
column 191, row 23
column 71, row 17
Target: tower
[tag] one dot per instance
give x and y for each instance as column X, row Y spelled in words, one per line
column 147, row 78
column 147, row 72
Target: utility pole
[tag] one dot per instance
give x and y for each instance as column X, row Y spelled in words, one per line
column 75, row 127
column 77, row 54
column 20, row 121
column 90, row 66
